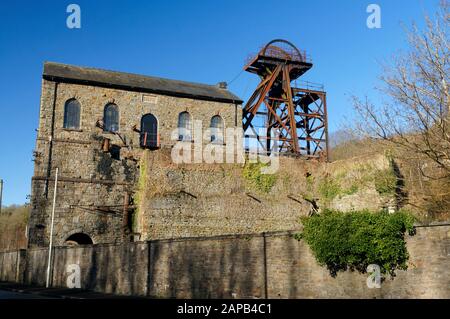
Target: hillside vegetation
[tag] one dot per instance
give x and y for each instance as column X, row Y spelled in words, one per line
column 13, row 223
column 425, row 196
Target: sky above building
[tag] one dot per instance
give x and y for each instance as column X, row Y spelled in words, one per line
column 199, row 41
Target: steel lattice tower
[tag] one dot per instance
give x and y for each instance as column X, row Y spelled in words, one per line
column 280, row 117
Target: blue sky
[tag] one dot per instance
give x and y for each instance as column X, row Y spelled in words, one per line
column 200, row 41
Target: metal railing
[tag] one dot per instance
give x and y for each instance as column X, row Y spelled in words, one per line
column 309, row 85
column 150, row 140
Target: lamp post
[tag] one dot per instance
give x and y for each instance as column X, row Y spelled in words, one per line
column 1, row 194
column 51, row 231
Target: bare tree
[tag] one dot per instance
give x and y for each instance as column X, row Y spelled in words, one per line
column 415, row 117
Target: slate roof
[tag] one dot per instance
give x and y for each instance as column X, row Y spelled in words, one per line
column 135, row 82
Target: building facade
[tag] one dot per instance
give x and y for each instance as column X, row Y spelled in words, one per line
column 93, row 126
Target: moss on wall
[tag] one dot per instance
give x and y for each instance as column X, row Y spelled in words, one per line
column 329, row 189
column 256, row 180
column 385, row 181
column 183, row 200
column 140, row 192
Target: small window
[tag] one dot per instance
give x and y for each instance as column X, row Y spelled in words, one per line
column 72, row 114
column 184, row 127
column 216, row 128
column 111, row 118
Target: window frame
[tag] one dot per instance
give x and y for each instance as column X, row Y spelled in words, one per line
column 66, row 117
column 116, row 107
column 182, row 136
column 155, row 139
column 218, row 136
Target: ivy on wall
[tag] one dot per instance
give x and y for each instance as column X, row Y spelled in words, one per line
column 354, row 240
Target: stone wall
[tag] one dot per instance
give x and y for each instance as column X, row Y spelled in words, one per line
column 199, row 199
column 127, row 264
column 9, row 262
column 273, row 265
column 95, row 186
column 102, row 194
column 223, row 267
column 208, row 199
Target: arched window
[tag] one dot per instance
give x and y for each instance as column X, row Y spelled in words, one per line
column 216, row 128
column 149, row 131
column 184, row 127
column 72, row 114
column 111, row 118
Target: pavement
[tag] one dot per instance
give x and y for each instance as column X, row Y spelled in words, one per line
column 10, row 290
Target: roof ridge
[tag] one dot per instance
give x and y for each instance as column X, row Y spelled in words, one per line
column 129, row 73
column 133, row 81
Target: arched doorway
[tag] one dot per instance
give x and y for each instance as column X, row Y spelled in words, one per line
column 149, row 131
column 78, row 239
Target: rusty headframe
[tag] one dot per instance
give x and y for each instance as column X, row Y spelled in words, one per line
column 281, row 117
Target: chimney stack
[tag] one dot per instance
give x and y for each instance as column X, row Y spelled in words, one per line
column 222, row 85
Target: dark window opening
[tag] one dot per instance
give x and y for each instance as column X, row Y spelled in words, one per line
column 114, row 150
column 216, row 128
column 111, row 118
column 79, row 239
column 72, row 114
column 184, row 127
column 149, row 132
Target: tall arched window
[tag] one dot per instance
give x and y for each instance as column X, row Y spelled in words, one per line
column 149, row 131
column 216, row 128
column 111, row 118
column 72, row 114
column 184, row 127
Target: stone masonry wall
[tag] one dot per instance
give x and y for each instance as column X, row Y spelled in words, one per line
column 199, row 199
column 172, row 200
column 273, row 265
column 94, row 185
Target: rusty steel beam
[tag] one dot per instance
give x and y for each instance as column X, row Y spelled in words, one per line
column 295, row 118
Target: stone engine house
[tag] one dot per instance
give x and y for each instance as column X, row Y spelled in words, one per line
column 93, row 126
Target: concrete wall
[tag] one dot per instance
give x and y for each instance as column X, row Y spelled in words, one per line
column 247, row 266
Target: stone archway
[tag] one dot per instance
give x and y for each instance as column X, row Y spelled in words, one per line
column 78, row 239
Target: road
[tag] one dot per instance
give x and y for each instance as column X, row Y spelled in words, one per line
column 4, row 294
column 9, row 290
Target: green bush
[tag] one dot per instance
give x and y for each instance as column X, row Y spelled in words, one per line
column 257, row 180
column 354, row 240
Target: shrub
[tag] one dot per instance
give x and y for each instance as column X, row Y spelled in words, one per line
column 354, row 240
